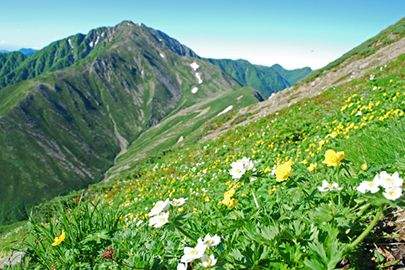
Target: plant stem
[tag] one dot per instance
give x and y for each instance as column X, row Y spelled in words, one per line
column 254, row 197
column 368, row 229
column 333, row 204
column 186, row 234
column 351, row 197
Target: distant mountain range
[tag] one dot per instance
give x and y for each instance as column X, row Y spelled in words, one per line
column 267, row 80
column 26, row 52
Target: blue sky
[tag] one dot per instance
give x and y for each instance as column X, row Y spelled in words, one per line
column 293, row 33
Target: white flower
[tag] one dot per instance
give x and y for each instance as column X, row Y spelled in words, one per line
column 139, row 222
column 182, row 266
column 210, row 241
column 208, row 261
column 190, row 254
column 386, row 181
column 238, row 169
column 359, row 113
column 178, row 202
column 273, row 171
column 366, row 186
column 159, row 220
column 393, row 193
column 159, row 207
column 326, row 186
column 249, row 165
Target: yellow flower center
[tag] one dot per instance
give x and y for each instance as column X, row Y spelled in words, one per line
column 389, row 180
column 208, row 261
column 158, row 205
column 194, row 251
column 208, row 242
column 330, row 186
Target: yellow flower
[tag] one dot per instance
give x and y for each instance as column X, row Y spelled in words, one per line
column 230, row 192
column 283, row 171
column 332, row 158
column 59, row 239
column 312, row 166
column 305, row 161
column 230, row 202
column 364, row 167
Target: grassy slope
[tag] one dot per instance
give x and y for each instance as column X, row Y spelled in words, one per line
column 303, row 131
column 385, row 37
column 183, row 120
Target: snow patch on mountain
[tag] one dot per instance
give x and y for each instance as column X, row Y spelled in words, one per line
column 194, row 66
column 199, row 79
column 70, row 44
column 97, row 40
column 226, row 110
column 194, row 89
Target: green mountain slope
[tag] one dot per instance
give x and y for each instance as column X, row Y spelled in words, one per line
column 63, row 129
column 267, row 80
column 388, row 36
column 10, row 61
column 58, row 55
column 292, row 76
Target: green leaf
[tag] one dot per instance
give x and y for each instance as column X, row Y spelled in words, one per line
column 378, row 256
column 313, row 264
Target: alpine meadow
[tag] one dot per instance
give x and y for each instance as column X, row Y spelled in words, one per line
column 124, row 149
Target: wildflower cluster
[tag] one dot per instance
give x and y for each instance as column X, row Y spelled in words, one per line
column 392, row 185
column 228, row 200
column 199, row 252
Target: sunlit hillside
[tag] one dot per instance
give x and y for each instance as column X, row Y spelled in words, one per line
column 316, row 185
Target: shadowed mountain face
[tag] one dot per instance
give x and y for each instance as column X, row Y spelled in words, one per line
column 69, row 109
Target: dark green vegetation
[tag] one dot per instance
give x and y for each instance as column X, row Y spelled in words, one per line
column 67, row 111
column 267, row 80
column 384, row 38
